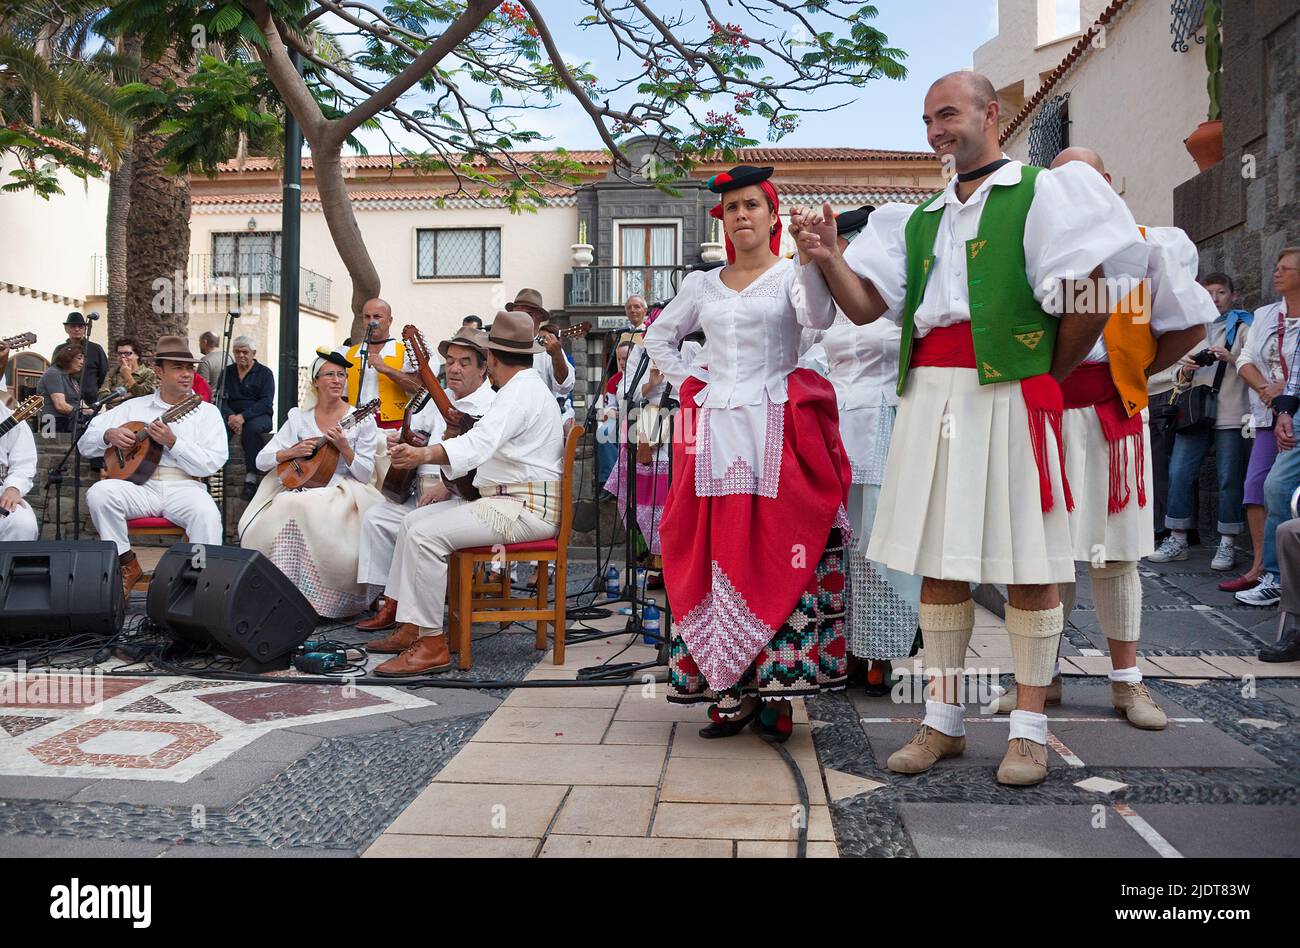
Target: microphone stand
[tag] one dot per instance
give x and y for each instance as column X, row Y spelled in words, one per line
column 54, row 476
column 218, row 399
column 634, row 620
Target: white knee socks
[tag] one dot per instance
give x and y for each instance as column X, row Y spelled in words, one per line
column 1035, row 636
column 1117, row 597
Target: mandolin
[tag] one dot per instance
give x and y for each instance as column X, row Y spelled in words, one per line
column 28, row 408
column 20, row 341
column 317, row 468
column 137, row 463
column 462, row 487
column 400, row 482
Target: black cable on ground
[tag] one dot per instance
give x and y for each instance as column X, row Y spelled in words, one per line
column 801, row 852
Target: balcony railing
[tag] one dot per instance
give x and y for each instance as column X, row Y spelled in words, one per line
column 611, row 286
column 238, row 277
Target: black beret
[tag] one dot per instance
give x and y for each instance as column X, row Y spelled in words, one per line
column 852, row 221
column 741, row 176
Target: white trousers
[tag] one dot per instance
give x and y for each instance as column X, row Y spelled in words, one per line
column 379, row 529
column 20, row 525
column 425, row 542
column 185, row 503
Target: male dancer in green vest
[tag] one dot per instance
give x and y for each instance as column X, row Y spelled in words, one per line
column 998, row 285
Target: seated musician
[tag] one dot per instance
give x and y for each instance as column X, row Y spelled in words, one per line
column 194, row 447
column 517, row 449
column 466, row 360
column 17, row 471
column 313, row 534
column 551, row 362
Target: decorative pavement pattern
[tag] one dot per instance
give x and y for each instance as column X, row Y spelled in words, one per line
column 186, row 767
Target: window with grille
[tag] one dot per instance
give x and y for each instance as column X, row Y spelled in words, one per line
column 457, row 252
column 1049, row 134
column 243, row 252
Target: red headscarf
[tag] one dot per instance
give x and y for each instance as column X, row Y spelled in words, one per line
column 775, row 242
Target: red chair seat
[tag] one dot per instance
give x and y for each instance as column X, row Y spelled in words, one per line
column 151, row 523
column 536, row 546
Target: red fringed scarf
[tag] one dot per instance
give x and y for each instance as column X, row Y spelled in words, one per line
column 953, row 347
column 1091, row 386
column 775, row 241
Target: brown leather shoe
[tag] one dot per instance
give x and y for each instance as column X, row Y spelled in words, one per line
column 427, row 656
column 395, row 642
column 385, row 618
column 1024, row 764
column 926, row 748
column 131, row 572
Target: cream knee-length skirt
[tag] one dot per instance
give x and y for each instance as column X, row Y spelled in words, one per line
column 1098, row 535
column 960, row 498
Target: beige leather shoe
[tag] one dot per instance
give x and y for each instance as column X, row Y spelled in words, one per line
column 1132, row 700
column 1007, row 703
column 925, row 749
column 1024, row 764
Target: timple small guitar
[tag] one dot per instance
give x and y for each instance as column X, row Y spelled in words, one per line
column 138, row 462
column 399, row 482
column 28, row 408
column 577, row 329
column 316, row 469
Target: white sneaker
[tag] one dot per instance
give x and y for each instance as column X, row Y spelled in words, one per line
column 1225, row 557
column 1172, row 549
column 1267, row 593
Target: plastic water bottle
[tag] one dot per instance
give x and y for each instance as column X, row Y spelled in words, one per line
column 640, row 582
column 611, row 583
column 650, row 625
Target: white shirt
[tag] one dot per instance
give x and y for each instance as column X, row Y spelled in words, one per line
column 429, row 420
column 559, row 390
column 753, row 346
column 370, row 376
column 301, row 425
column 1261, row 351
column 520, row 438
column 17, row 455
column 201, row 448
column 1177, row 300
column 1076, row 223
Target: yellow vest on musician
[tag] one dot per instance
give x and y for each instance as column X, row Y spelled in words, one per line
column 392, row 397
column 1131, row 346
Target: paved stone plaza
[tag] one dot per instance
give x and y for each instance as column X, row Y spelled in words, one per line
column 188, row 767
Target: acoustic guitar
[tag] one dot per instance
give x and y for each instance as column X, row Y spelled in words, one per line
column 28, row 408
column 316, row 469
column 138, row 462
column 577, row 329
column 400, row 482
column 20, row 341
column 462, row 487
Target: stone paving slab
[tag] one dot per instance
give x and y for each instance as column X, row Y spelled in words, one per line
column 1228, row 831
column 546, row 726
column 62, row 847
column 606, row 811
column 698, row 780
column 739, row 821
column 634, row 847
column 1025, row 831
column 569, row 765
column 395, row 846
column 456, row 809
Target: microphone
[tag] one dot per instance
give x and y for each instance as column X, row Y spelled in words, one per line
column 93, row 316
column 233, row 314
column 116, row 394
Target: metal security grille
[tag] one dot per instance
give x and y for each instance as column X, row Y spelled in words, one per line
column 1050, row 132
column 1187, row 16
column 458, row 252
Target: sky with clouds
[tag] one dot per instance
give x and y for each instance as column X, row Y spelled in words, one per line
column 938, row 35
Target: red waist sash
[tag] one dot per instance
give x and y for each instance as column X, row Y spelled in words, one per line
column 953, row 347
column 1091, row 386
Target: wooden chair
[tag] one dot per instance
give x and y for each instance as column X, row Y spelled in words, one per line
column 470, row 599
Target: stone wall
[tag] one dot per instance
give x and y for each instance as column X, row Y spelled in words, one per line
column 1244, row 210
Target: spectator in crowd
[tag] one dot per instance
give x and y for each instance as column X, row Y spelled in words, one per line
column 607, row 444
column 1283, row 393
column 95, row 365
column 1163, row 413
column 137, row 379
column 473, row 321
column 635, row 310
column 60, row 386
column 213, row 361
column 1216, row 367
column 248, row 393
column 1287, row 648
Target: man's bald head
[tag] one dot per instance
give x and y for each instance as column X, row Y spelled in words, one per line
column 380, row 314
column 1085, row 155
column 974, row 84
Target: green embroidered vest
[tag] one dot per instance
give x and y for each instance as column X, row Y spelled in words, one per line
column 1014, row 338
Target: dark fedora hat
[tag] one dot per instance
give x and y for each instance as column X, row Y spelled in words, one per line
column 512, row 332
column 529, row 299
column 75, row 319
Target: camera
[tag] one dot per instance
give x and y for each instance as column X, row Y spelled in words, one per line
column 1205, row 357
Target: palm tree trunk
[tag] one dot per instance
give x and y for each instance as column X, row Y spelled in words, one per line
column 119, row 207
column 158, row 230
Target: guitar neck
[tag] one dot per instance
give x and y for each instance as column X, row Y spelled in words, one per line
column 429, row 379
column 8, row 425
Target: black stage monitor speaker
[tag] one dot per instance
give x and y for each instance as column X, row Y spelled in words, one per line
column 230, row 599
column 55, row 589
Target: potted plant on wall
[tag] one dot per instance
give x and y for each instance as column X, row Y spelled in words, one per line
column 1205, row 145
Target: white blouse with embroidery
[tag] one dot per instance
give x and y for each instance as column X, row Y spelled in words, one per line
column 753, row 346
column 300, row 425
